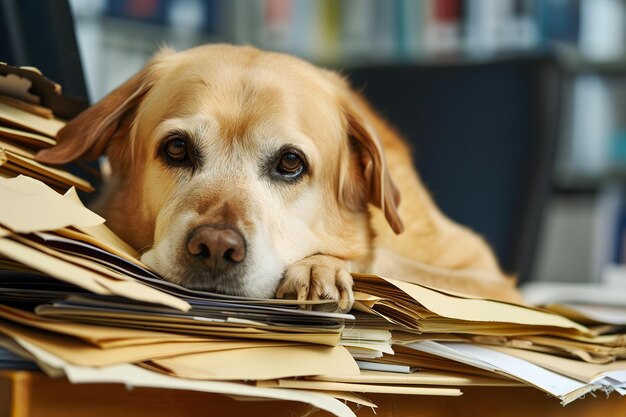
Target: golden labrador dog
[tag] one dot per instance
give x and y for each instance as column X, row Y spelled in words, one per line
column 253, row 173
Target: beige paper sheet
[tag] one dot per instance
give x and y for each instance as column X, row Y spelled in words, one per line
column 47, row 171
column 133, row 376
column 207, row 328
column 28, row 107
column 74, row 259
column 50, row 265
column 82, row 353
column 261, row 363
column 86, row 278
column 127, row 253
column 370, row 388
column 11, row 170
column 29, row 121
column 101, row 336
column 28, row 138
column 102, row 233
column 17, row 149
column 579, row 370
column 418, row 378
column 29, row 205
column 368, row 346
column 350, row 396
column 598, row 352
column 482, row 310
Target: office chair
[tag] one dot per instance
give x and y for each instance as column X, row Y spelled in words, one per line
column 483, row 137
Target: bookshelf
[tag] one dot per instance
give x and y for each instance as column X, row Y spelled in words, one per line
column 328, row 32
column 575, row 63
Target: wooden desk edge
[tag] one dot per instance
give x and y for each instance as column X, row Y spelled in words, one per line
column 32, row 394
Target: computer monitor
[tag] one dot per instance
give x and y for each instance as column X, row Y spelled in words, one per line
column 40, row 33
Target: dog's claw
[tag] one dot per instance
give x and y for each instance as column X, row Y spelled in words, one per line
column 318, row 277
column 280, row 292
column 303, row 293
column 346, row 296
column 302, row 296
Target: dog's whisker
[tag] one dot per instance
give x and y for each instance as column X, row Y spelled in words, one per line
column 144, row 248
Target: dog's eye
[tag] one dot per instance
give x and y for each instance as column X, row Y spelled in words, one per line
column 176, row 149
column 290, row 164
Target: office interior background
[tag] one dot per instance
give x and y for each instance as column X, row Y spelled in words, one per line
column 581, row 220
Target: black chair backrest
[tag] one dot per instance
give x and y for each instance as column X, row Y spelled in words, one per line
column 483, row 137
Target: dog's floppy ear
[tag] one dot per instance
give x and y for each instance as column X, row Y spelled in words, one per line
column 87, row 135
column 377, row 187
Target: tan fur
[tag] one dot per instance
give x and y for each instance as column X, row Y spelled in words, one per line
column 237, row 104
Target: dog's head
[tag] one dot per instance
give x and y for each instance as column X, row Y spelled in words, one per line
column 229, row 164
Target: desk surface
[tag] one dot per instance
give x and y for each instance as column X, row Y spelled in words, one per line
column 31, row 394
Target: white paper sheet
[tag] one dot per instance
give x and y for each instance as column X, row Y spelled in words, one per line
column 565, row 388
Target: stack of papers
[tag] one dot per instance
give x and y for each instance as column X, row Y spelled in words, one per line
column 413, row 307
column 443, row 331
column 77, row 301
column 27, row 126
column 85, row 307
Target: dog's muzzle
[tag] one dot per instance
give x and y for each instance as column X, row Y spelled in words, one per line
column 219, row 249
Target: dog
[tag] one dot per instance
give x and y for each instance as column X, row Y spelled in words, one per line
column 254, row 173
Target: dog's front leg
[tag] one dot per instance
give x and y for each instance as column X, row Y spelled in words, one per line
column 319, row 277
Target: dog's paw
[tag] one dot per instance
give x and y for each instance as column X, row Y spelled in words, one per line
column 318, row 277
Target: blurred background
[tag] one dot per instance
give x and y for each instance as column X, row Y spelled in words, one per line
column 515, row 109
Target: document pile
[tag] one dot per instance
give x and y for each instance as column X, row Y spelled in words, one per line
column 28, row 123
column 84, row 306
column 439, row 330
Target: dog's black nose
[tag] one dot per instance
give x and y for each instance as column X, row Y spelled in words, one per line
column 218, row 247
